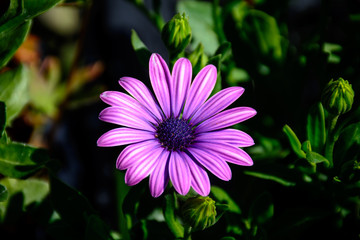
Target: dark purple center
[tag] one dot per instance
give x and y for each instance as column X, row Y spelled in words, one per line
column 175, row 134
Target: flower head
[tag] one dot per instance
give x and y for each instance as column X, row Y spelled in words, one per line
column 179, row 135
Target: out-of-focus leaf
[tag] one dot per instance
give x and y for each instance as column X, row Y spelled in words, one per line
column 97, row 229
column 3, row 193
column 201, row 23
column 14, row 91
column 315, row 128
column 12, row 35
column 222, row 197
column 142, row 52
column 198, row 59
column 262, row 209
column 271, row 177
column 331, row 49
column 236, row 76
column 71, row 205
column 216, row 61
column 18, row 160
column 2, row 117
column 294, row 141
column 314, row 157
column 224, row 50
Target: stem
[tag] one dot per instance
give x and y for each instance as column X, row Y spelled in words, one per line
column 330, row 139
column 187, row 233
column 169, row 213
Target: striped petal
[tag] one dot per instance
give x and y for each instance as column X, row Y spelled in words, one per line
column 160, row 80
column 123, row 136
column 136, row 153
column 200, row 90
column 227, row 152
column 123, row 100
column 126, row 117
column 225, row 119
column 142, row 169
column 232, row 136
column 211, row 162
column 141, row 93
column 179, row 173
column 159, row 178
column 199, row 178
column 217, row 103
column 180, row 84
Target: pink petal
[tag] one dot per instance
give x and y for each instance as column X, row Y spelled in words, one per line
column 136, row 153
column 232, row 136
column 199, row 178
column 123, row 136
column 126, row 117
column 180, row 84
column 200, row 90
column 123, row 100
column 142, row 169
column 227, row 152
column 179, row 173
column 160, row 80
column 159, row 178
column 217, row 103
column 225, row 119
column 141, row 93
column 212, row 162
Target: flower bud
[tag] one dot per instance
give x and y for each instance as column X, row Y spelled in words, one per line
column 199, row 212
column 176, row 34
column 338, row 96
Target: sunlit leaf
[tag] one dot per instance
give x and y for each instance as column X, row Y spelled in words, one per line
column 271, row 177
column 315, row 128
column 223, row 197
column 18, row 160
column 14, row 91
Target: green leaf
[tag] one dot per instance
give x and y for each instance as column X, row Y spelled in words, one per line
column 169, row 213
column 3, row 193
column 294, row 141
column 216, row 61
column 18, row 160
column 14, row 91
column 2, row 117
column 262, row 209
column 222, row 197
column 314, row 157
column 224, row 50
column 315, row 128
column 349, row 141
column 71, row 205
column 272, row 177
column 12, row 35
column 142, row 52
column 201, row 23
column 15, row 8
column 34, row 8
column 97, row 229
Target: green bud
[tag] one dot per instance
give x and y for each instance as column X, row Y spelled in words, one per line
column 338, row 96
column 176, row 34
column 199, row 212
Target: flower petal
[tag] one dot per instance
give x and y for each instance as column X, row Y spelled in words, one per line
column 232, row 136
column 159, row 178
column 126, row 117
column 123, row 136
column 136, row 153
column 225, row 119
column 227, row 152
column 217, row 103
column 141, row 93
column 199, row 178
column 179, row 173
column 142, row 169
column 120, row 99
column 160, row 80
column 200, row 90
column 180, row 84
column 211, row 162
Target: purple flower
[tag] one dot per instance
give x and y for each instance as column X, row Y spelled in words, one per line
column 178, row 135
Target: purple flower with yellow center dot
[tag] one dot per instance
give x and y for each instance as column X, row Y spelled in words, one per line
column 177, row 136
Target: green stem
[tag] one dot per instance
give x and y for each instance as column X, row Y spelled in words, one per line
column 169, row 213
column 330, row 139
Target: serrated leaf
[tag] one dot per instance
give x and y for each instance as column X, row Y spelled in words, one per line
column 14, row 91
column 223, row 197
column 315, row 128
column 294, row 141
column 2, row 118
column 18, row 160
column 262, row 209
column 142, row 52
column 3, row 193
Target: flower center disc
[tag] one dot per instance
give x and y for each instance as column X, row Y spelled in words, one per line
column 175, row 134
